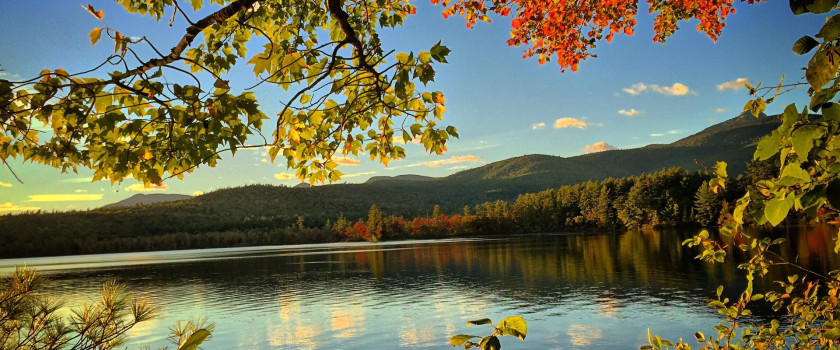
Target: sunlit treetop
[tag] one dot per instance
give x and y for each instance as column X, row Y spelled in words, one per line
column 153, row 113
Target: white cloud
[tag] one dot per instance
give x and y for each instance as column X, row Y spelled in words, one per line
column 8, row 207
column 537, row 126
column 264, row 160
column 657, row 135
column 143, row 188
column 599, row 146
column 569, row 123
column 678, row 89
column 675, row 132
column 5, row 184
column 674, row 90
column 285, row 176
column 736, row 84
column 720, row 110
column 636, row 89
column 358, row 174
column 64, row 197
column 80, row 191
column 451, row 160
column 630, row 113
column 197, row 193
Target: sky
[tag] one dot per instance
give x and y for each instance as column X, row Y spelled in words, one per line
column 635, row 93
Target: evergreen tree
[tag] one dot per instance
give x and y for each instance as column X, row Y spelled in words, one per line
column 707, row 205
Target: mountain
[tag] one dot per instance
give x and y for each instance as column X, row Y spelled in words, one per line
column 266, row 209
column 732, row 141
column 141, row 198
column 407, row 177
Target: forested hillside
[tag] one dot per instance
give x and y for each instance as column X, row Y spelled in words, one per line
column 266, row 210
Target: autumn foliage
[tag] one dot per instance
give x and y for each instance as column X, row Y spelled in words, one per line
column 569, row 30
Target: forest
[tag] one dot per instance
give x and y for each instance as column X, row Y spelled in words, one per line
column 669, row 197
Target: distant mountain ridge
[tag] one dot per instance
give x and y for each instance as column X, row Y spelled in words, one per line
column 266, row 210
column 732, row 141
column 142, row 199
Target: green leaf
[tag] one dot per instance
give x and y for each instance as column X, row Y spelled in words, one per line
column 804, row 44
column 490, row 343
column 831, row 112
column 195, row 340
column 720, row 169
column 94, row 35
column 821, row 6
column 768, row 146
column 821, row 69
column 794, row 171
column 460, row 339
column 515, row 326
column 798, row 7
column 814, row 197
column 776, row 209
column 803, row 139
column 439, row 52
column 832, row 334
column 479, row 322
column 756, row 107
column 831, row 29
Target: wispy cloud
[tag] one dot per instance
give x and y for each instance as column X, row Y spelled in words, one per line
column 64, row 197
column 570, row 123
column 78, row 180
column 675, row 132
column 358, row 174
column 79, row 191
column 736, row 84
column 400, row 139
column 143, row 188
column 346, row 161
column 657, row 135
column 5, row 184
column 8, row 207
column 284, row 176
column 678, row 89
column 599, row 146
column 537, row 126
column 450, row 160
column 630, row 113
column 720, row 110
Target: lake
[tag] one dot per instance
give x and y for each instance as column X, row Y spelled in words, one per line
column 574, row 290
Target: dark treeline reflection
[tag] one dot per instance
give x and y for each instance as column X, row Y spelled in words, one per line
column 383, row 296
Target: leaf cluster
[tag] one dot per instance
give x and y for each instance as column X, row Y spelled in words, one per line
column 512, row 326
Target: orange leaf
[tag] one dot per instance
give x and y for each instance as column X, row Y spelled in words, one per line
column 97, row 14
column 440, row 99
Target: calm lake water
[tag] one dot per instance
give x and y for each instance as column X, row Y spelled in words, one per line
column 574, row 290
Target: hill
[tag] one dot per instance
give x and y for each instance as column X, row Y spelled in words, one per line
column 264, row 208
column 142, row 199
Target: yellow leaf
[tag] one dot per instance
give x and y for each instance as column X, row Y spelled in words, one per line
column 118, row 38
column 148, row 156
column 94, row 35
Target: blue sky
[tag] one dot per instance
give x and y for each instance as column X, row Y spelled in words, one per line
column 635, row 93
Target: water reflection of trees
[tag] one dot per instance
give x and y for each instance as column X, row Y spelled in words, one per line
column 319, row 291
